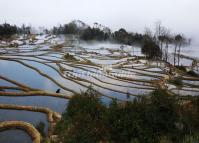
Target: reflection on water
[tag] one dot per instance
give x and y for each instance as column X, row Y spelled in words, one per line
column 14, row 136
column 55, row 104
column 22, row 74
column 27, row 116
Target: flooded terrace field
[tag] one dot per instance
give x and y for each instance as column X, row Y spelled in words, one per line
column 49, row 71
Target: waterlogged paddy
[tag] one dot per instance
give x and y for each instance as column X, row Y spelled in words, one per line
column 31, row 117
column 41, row 66
column 14, row 136
column 27, row 76
column 53, row 103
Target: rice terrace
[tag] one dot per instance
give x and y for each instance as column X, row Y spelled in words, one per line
column 83, row 82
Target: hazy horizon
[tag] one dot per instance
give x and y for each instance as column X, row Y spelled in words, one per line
column 180, row 16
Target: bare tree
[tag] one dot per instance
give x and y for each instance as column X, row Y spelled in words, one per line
column 148, row 32
column 178, row 42
column 168, row 39
column 159, row 30
column 162, row 34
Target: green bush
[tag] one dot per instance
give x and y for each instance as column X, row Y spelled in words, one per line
column 151, row 49
column 163, row 113
column 69, row 57
column 84, row 120
column 182, row 68
column 192, row 73
column 159, row 119
column 129, row 123
column 41, row 128
column 94, row 34
column 6, row 30
column 190, row 116
column 176, row 81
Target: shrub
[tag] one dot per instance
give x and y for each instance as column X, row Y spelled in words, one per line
column 176, row 81
column 192, row 73
column 163, row 113
column 159, row 119
column 6, row 30
column 128, row 122
column 84, row 120
column 182, row 68
column 190, row 116
column 94, row 34
column 69, row 57
column 151, row 49
column 41, row 128
column 57, row 47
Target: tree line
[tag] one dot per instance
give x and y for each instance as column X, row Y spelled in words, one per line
column 7, row 30
column 98, row 32
column 86, row 32
column 155, row 44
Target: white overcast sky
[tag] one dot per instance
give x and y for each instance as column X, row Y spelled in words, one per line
column 134, row 15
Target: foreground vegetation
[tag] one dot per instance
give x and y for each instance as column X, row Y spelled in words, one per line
column 162, row 118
